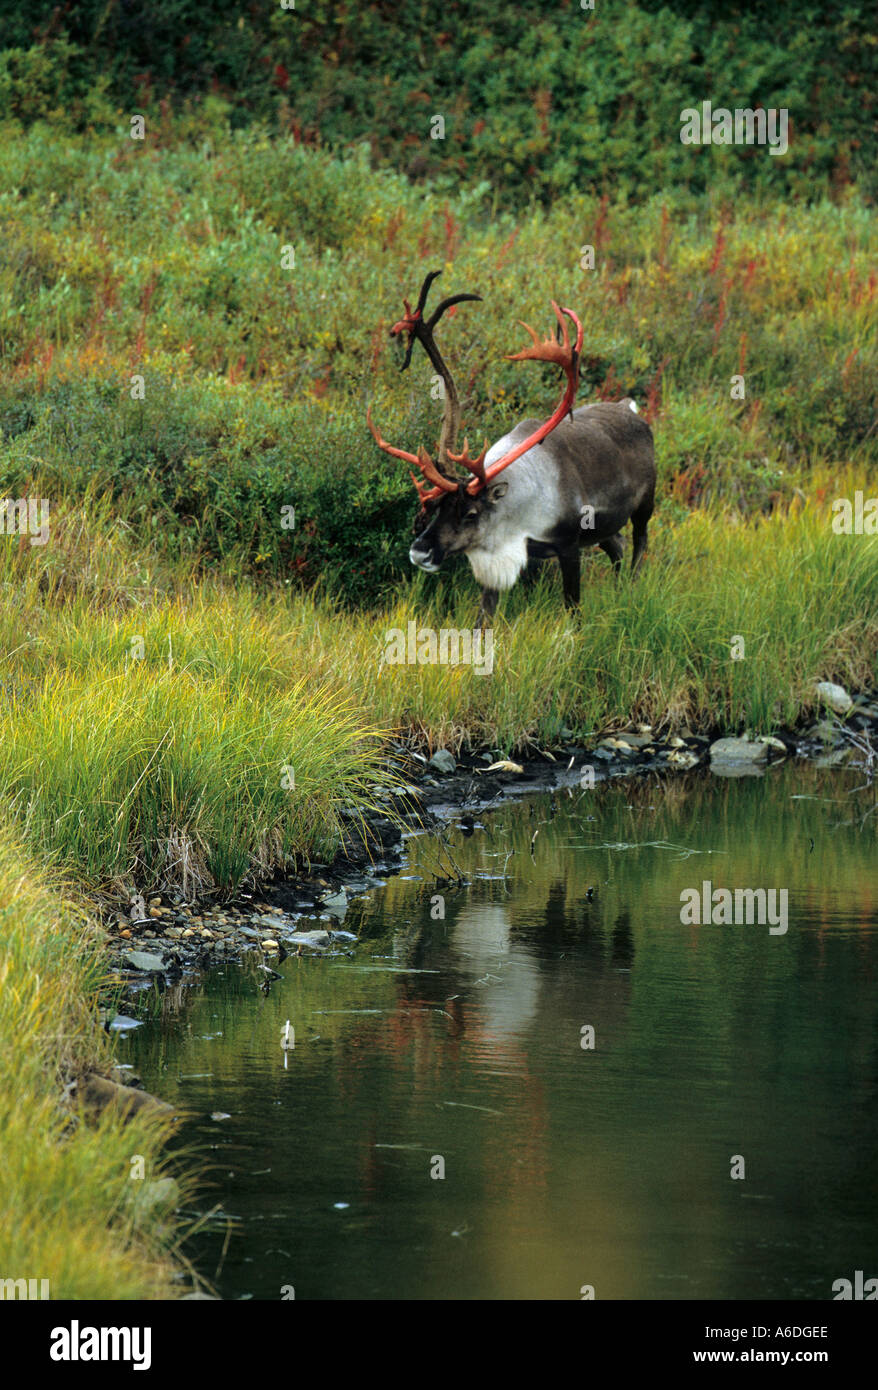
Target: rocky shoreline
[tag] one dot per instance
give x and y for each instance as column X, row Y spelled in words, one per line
column 164, row 936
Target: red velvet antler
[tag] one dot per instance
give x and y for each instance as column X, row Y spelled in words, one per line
column 547, row 351
column 421, row 459
column 476, row 466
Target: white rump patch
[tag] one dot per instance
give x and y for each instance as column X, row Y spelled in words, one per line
column 499, row 568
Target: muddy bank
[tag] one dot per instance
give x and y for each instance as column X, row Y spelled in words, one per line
column 162, row 937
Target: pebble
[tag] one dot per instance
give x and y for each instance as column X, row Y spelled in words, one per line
column 145, row 961
column 775, row 743
column 738, row 750
column 443, row 761
column 835, row 696
column 682, row 758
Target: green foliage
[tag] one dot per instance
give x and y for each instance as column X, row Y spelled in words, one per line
column 537, row 99
column 119, row 261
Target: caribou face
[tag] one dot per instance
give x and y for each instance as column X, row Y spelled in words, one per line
column 457, row 521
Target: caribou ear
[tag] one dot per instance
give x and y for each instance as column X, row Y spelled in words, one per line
column 497, row 491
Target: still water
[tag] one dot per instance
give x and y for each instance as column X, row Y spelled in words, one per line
column 456, row 1045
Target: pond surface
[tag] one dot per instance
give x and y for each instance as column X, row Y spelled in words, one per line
column 457, row 1044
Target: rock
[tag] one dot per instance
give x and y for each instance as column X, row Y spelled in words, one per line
column 269, row 945
column 310, row 938
column 185, row 935
column 160, row 1192
column 144, row 960
column 123, row 1024
column 682, row 758
column 271, row 919
column 825, row 730
column 677, row 742
column 336, row 903
column 835, row 759
column 207, row 935
column 96, row 1092
column 771, row 742
column 737, row 750
column 637, row 740
column 155, row 902
column 835, row 696
column 156, row 912
column 443, row 761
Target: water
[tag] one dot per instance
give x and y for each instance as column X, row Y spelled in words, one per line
column 458, row 1041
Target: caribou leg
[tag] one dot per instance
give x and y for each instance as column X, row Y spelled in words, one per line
column 615, row 548
column 487, row 605
column 569, row 562
column 639, row 523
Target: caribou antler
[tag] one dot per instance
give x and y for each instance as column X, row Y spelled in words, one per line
column 421, row 459
column 417, row 328
column 476, row 466
column 414, row 324
column 546, row 351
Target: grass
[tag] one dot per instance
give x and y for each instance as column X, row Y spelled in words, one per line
column 162, row 268
column 69, row 1209
column 168, row 766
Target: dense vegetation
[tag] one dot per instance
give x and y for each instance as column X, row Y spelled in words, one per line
column 120, row 259
column 191, row 327
column 537, row 98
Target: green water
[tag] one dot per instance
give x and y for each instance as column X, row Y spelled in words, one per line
column 461, row 1040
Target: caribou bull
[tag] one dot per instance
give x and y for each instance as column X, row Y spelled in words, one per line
column 573, row 480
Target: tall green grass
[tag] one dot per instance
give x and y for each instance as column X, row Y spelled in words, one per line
column 70, row 1211
column 170, row 767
